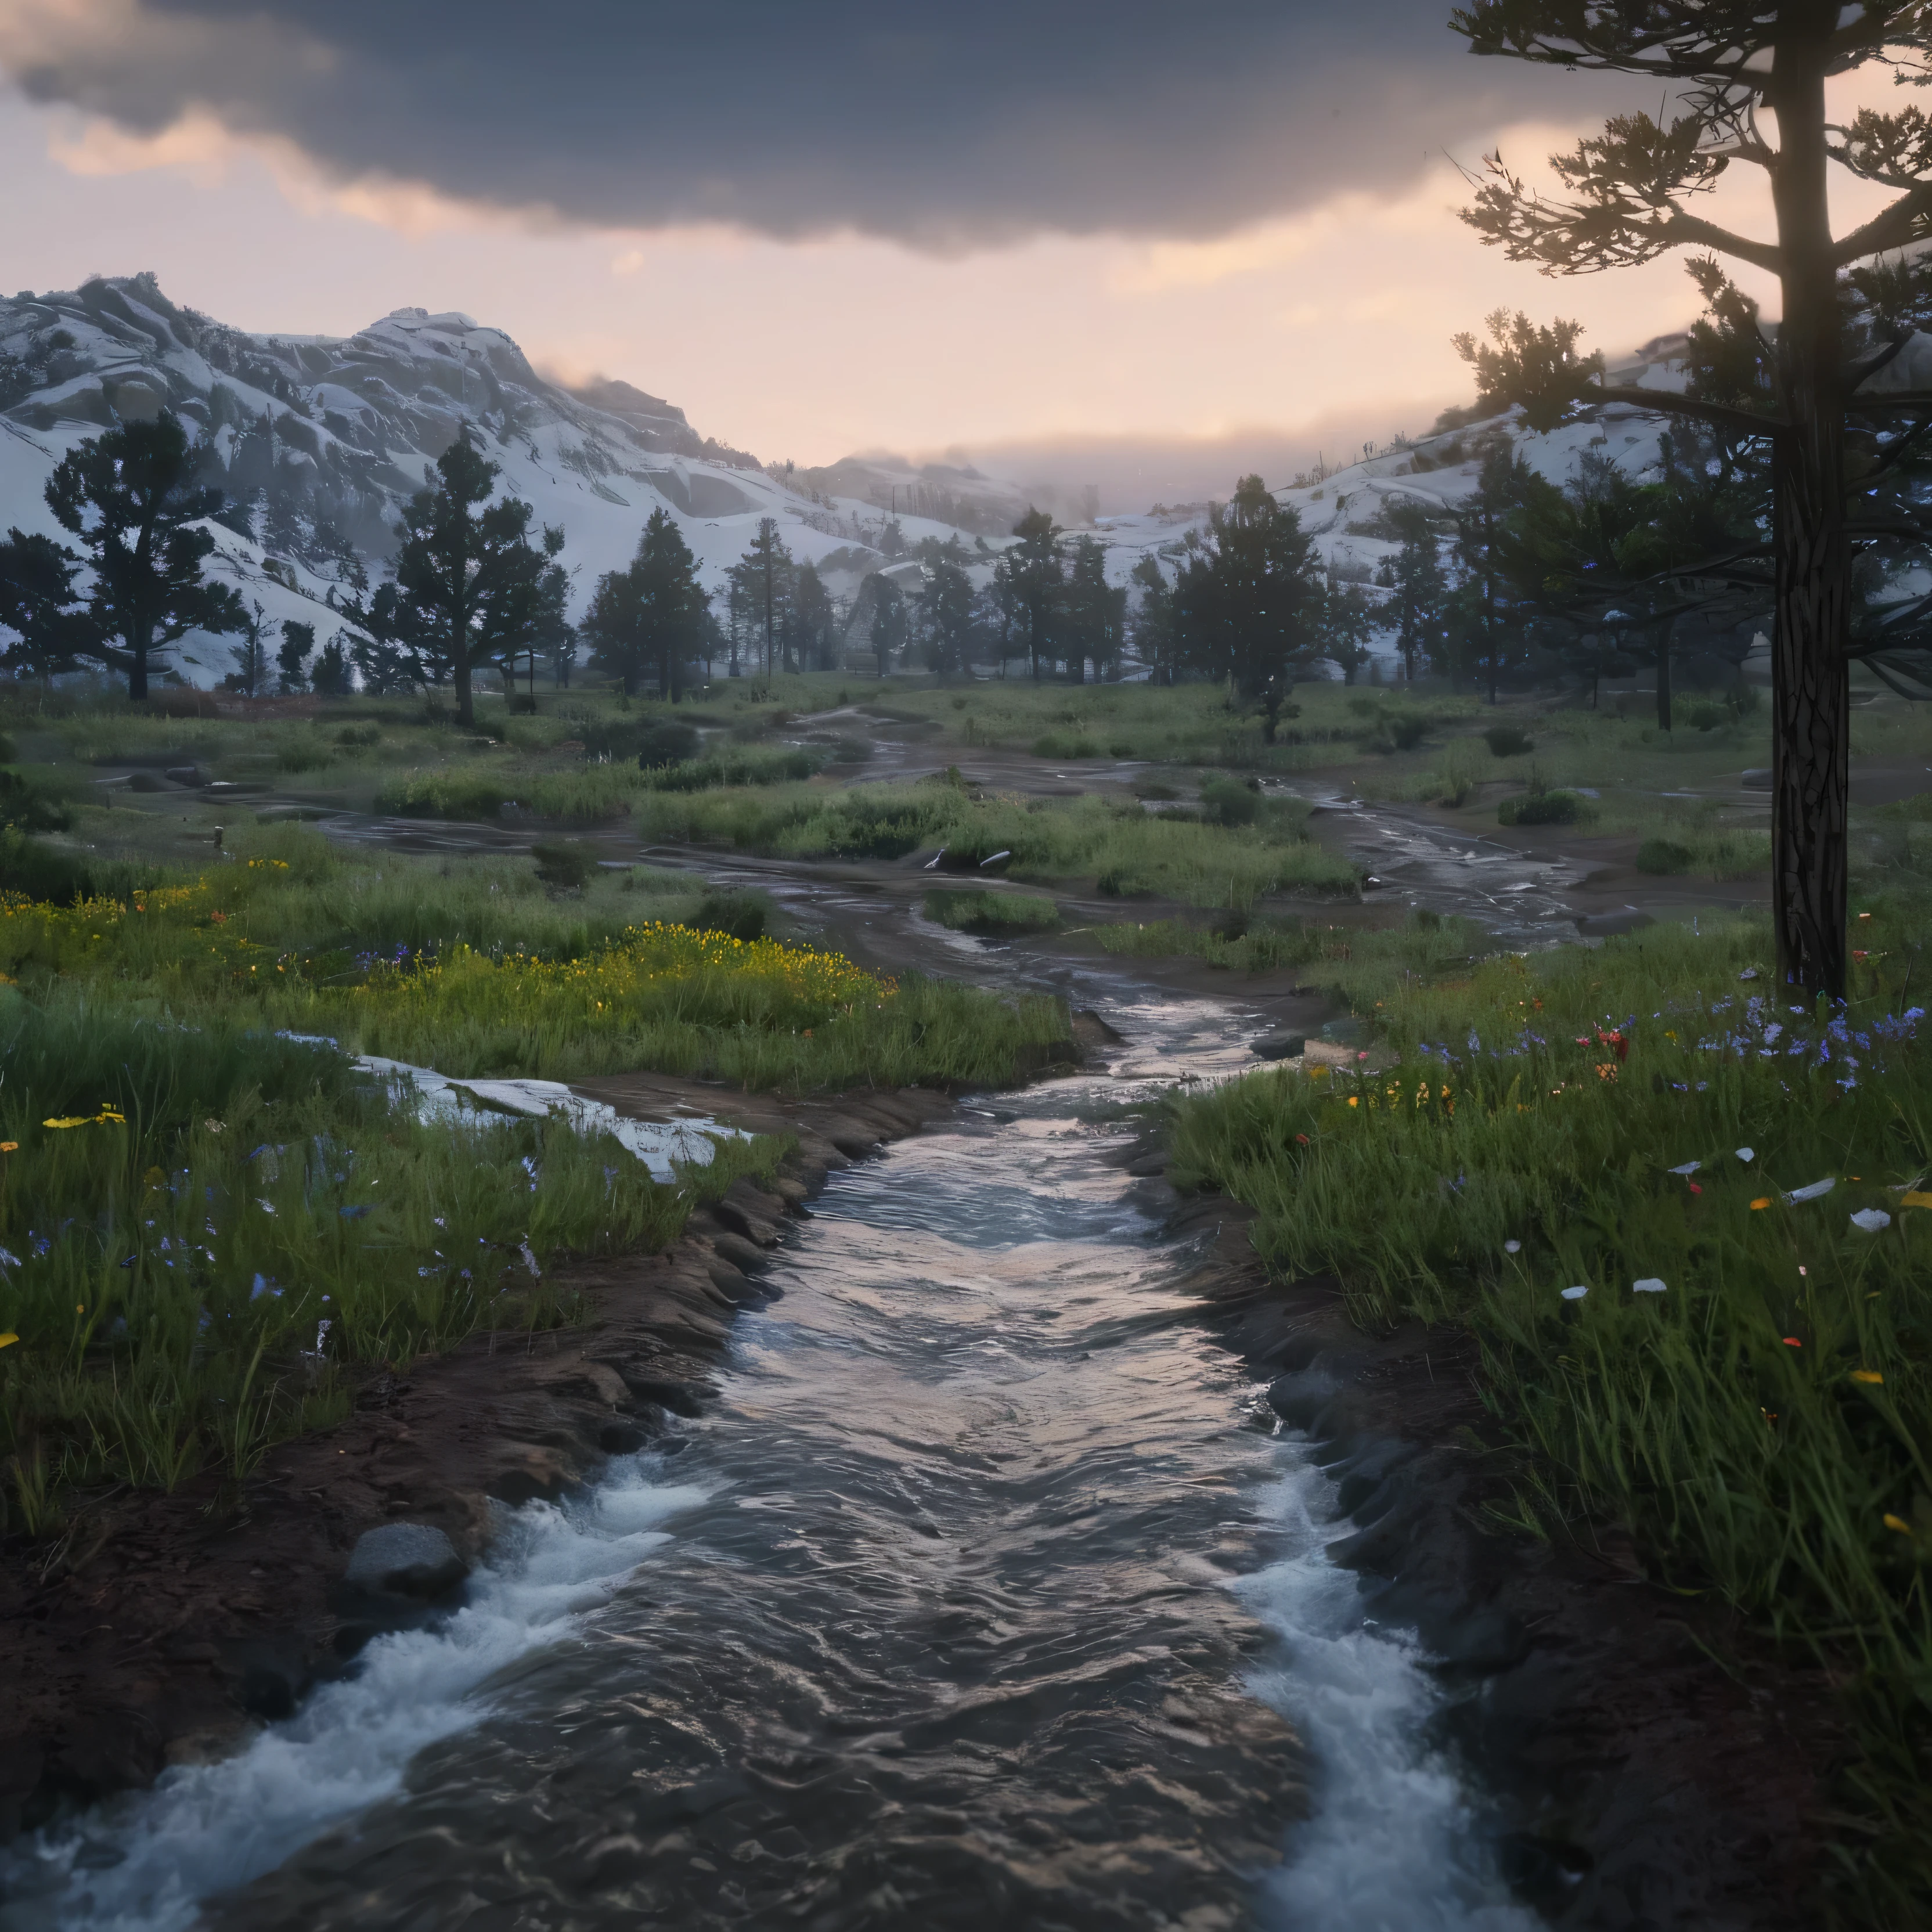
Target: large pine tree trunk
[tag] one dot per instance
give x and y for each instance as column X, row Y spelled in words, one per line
column 1810, row 711
column 1812, row 613
column 466, row 710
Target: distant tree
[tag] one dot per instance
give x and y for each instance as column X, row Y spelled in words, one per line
column 128, row 497
column 891, row 539
column 1483, row 631
column 880, row 606
column 331, row 676
column 386, row 665
column 1250, row 605
column 1416, row 576
column 250, row 674
column 1037, row 574
column 51, row 629
column 945, row 615
column 470, row 582
column 292, row 660
column 1094, row 614
column 809, row 625
column 766, row 571
column 1153, row 620
column 651, row 616
column 1003, row 605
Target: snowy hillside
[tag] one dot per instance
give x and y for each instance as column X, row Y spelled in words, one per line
column 317, row 440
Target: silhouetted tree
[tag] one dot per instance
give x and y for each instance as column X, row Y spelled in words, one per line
column 1250, row 603
column 51, row 627
column 1094, row 614
column 251, row 673
column 946, row 612
column 652, row 616
column 1037, row 573
column 128, row 497
column 292, row 660
column 1741, row 74
column 470, row 582
column 1415, row 575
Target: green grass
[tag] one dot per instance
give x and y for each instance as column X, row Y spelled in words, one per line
column 1764, row 1427
column 186, row 1196
column 995, row 914
column 1113, row 842
column 234, row 1224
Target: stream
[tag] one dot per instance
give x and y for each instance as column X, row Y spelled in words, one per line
column 988, row 1592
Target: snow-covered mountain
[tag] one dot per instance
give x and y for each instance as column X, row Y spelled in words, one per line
column 317, row 440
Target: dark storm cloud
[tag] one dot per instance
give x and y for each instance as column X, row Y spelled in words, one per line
column 944, row 127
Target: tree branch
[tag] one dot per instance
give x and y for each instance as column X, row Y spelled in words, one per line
column 1891, row 227
column 1665, row 402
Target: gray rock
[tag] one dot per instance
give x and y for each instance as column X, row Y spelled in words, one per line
column 406, row 1559
column 1758, row 779
column 1279, row 1045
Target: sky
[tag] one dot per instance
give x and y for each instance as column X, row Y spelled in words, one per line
column 1140, row 246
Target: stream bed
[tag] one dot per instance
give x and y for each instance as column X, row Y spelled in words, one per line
column 989, row 1592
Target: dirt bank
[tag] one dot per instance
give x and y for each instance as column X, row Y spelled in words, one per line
column 159, row 1628
column 1639, row 1782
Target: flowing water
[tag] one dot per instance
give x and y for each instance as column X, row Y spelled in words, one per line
column 988, row 1592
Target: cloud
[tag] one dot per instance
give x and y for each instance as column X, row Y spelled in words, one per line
column 943, row 128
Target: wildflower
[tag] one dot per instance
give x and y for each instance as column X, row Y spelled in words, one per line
column 1793, row 1341
column 1512, row 1247
column 1817, row 1189
column 1870, row 1220
column 1870, row 1376
column 1689, row 1167
column 1353, row 1101
column 1763, row 1200
column 8, row 1340
column 1914, row 1199
column 1695, row 1189
column 1301, row 1140
column 1649, row 1284
column 1746, row 1155
column 1897, row 1522
column 1577, row 1293
column 214, row 1125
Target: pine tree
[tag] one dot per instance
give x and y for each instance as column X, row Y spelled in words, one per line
column 330, row 678
column 945, row 614
column 1095, row 613
column 809, row 620
column 1484, row 630
column 130, row 498
column 292, row 660
column 470, row 582
column 1250, row 604
column 1415, row 575
column 651, row 616
column 51, row 629
column 1153, row 620
column 766, row 569
column 251, row 655
column 882, row 606
column 1037, row 574
column 1740, row 72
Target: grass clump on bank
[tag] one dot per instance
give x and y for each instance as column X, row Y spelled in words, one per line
column 992, row 915
column 206, row 1231
column 1746, row 1381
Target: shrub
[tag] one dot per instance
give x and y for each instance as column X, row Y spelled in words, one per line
column 562, row 862
column 1663, row 856
column 1226, row 801
column 750, row 766
column 992, row 913
column 1508, row 741
column 1406, row 730
column 1543, row 808
column 1065, row 745
column 742, row 915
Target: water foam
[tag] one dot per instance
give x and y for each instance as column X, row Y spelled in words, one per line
column 143, row 1862
column 1392, row 1844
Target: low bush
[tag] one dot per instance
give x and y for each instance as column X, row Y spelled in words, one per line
column 1544, row 808
column 992, row 914
column 1508, row 741
column 1227, row 801
column 1664, row 857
